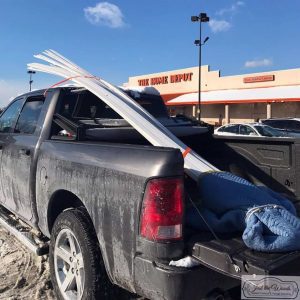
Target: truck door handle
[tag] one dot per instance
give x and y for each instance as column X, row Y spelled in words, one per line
column 24, row 152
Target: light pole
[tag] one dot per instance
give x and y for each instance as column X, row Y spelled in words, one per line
column 30, row 78
column 202, row 18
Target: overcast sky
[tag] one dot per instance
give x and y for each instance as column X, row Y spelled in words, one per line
column 119, row 39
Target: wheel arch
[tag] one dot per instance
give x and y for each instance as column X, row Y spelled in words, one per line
column 60, row 201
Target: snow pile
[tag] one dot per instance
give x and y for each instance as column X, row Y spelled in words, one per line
column 136, row 91
column 23, row 275
column 186, row 262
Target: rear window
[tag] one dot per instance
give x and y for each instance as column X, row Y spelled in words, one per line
column 90, row 106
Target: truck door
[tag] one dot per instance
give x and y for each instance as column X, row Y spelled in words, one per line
column 17, row 168
column 7, row 123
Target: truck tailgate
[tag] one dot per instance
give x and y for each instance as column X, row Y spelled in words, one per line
column 232, row 257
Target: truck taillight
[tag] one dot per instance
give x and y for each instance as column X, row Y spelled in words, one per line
column 162, row 210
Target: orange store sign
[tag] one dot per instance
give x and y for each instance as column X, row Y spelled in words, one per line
column 173, row 78
column 261, row 78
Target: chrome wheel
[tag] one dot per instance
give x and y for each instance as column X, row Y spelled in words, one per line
column 68, row 265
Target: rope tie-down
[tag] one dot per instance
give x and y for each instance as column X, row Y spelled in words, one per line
column 186, row 152
column 65, row 80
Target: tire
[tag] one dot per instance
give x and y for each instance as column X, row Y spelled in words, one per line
column 76, row 265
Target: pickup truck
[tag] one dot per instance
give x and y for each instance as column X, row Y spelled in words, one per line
column 77, row 182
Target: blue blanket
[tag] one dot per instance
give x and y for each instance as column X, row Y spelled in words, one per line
column 271, row 226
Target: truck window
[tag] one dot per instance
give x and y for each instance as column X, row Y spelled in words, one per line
column 66, row 104
column 10, row 115
column 29, row 115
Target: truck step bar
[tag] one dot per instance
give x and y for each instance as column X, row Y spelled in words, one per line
column 23, row 233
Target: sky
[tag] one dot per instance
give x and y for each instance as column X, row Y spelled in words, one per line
column 118, row 39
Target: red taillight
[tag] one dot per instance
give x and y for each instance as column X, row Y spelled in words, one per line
column 162, row 211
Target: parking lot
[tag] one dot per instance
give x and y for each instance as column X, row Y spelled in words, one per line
column 22, row 274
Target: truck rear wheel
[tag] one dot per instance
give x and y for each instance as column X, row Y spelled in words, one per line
column 76, row 265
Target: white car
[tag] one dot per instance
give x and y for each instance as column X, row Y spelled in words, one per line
column 252, row 129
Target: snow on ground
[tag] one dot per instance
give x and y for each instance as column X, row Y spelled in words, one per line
column 23, row 275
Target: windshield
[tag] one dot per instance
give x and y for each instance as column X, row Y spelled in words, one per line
column 268, row 131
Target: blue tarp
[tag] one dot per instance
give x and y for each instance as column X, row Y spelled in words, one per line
column 271, row 223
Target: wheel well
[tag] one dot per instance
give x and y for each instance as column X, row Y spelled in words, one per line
column 60, row 201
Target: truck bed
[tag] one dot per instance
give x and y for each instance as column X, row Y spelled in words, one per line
column 273, row 162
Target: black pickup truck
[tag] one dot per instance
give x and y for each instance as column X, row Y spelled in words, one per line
column 76, row 180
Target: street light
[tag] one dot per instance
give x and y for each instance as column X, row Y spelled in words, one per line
column 30, row 78
column 202, row 18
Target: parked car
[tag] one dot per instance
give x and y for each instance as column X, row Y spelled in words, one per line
column 289, row 126
column 252, row 129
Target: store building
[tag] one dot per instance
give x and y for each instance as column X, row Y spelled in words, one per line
column 227, row 99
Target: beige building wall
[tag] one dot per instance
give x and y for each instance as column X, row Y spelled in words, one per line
column 211, row 80
column 287, row 109
column 281, row 78
column 238, row 113
column 213, row 114
column 175, row 86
